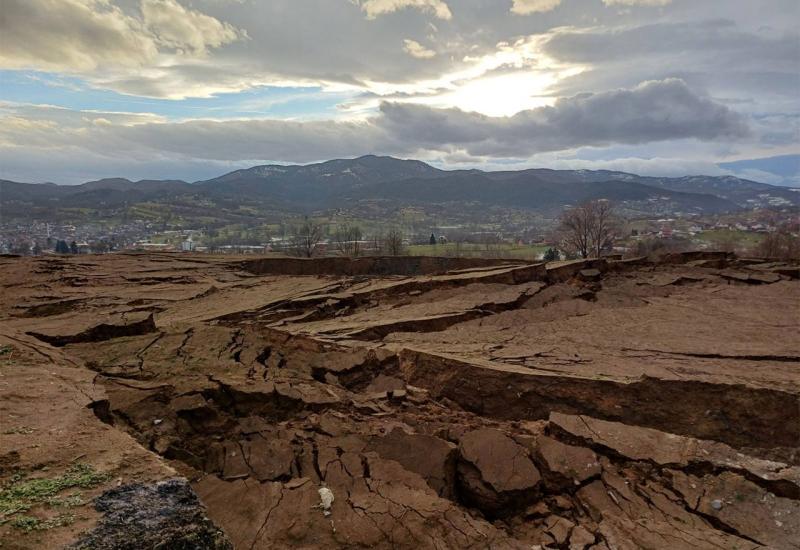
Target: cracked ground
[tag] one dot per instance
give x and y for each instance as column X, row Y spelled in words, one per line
column 445, row 403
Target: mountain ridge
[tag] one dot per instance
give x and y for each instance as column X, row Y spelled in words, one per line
column 341, row 183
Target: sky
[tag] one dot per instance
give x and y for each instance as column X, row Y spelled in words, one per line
column 191, row 89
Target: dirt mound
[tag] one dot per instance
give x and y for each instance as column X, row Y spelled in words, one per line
column 401, row 403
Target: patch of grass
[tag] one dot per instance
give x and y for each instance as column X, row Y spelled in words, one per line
column 6, row 349
column 25, row 523
column 30, row 523
column 21, row 494
column 69, row 501
column 23, row 430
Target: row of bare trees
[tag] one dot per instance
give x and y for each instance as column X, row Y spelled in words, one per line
column 585, row 231
column 348, row 240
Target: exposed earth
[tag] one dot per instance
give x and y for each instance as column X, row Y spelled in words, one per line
column 192, row 401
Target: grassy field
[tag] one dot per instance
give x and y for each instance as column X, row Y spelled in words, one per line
column 467, row 250
column 743, row 239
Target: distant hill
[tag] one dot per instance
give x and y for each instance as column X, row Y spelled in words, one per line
column 346, row 183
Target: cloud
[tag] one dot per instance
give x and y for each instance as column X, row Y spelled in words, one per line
column 415, row 49
column 526, row 7
column 81, row 36
column 71, row 35
column 636, row 2
column 184, row 29
column 374, row 8
column 651, row 112
column 752, row 69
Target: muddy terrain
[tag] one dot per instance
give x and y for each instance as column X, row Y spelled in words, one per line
column 194, row 401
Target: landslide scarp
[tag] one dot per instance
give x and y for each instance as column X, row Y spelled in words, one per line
column 576, row 405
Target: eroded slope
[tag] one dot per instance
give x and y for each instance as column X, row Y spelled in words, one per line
column 582, row 405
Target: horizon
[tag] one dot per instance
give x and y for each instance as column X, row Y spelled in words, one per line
column 172, row 89
column 790, row 185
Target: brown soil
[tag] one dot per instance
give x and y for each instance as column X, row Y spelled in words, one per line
column 443, row 403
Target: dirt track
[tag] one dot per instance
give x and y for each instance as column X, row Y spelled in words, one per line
column 445, row 404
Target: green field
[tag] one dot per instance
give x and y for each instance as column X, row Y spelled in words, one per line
column 469, row 250
column 730, row 238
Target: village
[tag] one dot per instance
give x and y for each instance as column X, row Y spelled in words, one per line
column 741, row 231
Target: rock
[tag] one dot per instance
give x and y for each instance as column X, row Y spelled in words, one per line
column 326, row 499
column 383, row 383
column 235, row 466
column 398, row 395
column 378, row 395
column 191, row 402
column 253, row 424
column 495, row 473
column 539, row 509
column 580, row 538
column 666, row 449
column 166, row 514
column 270, row 459
column 564, row 465
column 432, row 458
column 332, row 425
column 764, row 278
column 589, row 274
column 559, row 528
column 750, row 510
column 736, row 276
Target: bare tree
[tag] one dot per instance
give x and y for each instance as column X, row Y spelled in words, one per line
column 377, row 243
column 305, row 239
column 587, row 229
column 602, row 226
column 348, row 240
column 781, row 244
column 393, row 243
column 576, row 234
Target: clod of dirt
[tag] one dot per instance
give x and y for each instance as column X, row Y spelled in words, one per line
column 495, row 473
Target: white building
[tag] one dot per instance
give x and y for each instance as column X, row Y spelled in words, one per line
column 188, row 245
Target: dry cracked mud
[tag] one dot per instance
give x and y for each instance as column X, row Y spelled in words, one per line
column 190, row 401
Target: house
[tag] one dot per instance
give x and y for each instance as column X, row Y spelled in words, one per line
column 188, row 245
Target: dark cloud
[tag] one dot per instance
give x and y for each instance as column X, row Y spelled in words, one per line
column 653, row 111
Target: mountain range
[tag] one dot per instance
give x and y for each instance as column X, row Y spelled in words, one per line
column 390, row 182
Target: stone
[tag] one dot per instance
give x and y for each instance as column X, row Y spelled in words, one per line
column 432, row 458
column 383, row 383
column 565, row 465
column 235, row 466
column 666, row 449
column 253, row 424
column 559, row 528
column 589, row 274
column 580, row 538
column 495, row 472
column 190, row 402
column 750, row 509
column 271, row 459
